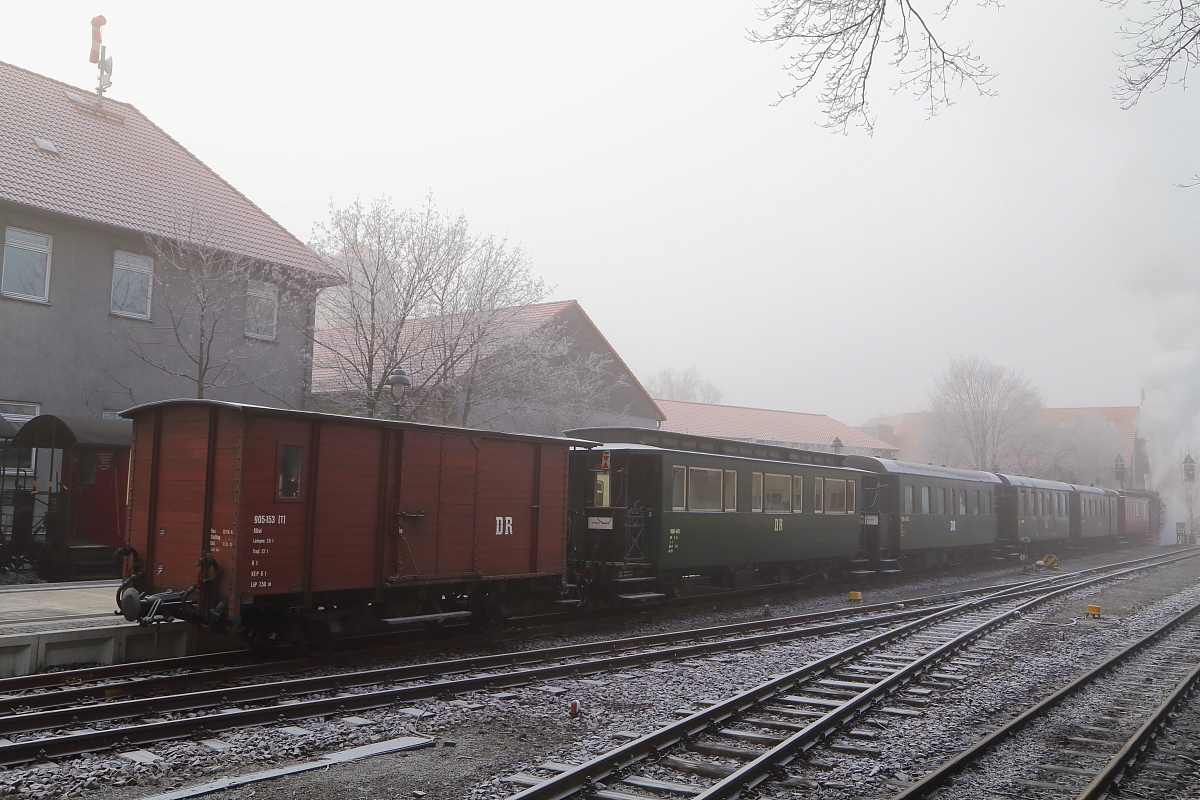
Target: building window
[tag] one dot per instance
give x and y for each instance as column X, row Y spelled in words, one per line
column 756, row 491
column 797, row 494
column 132, row 276
column 26, row 270
column 290, row 460
column 262, row 300
column 704, row 489
column 678, row 484
column 730, row 490
column 777, row 493
column 16, row 458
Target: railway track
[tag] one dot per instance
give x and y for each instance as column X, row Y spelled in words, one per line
column 70, row 721
column 50, row 690
column 1096, row 732
column 764, row 733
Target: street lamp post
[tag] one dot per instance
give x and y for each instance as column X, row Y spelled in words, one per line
column 398, row 378
column 1189, row 480
column 1119, row 470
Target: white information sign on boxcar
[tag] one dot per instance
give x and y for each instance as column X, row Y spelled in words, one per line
column 600, row 523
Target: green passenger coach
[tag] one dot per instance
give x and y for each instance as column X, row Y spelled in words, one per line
column 926, row 514
column 654, row 514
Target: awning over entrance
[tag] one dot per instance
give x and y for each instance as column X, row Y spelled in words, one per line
column 57, row 433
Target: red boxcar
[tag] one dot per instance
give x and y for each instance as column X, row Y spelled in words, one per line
column 275, row 522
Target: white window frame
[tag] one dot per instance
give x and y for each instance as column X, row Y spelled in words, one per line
column 789, row 495
column 125, row 265
column 690, row 483
column 48, row 250
column 256, row 289
column 21, row 419
column 729, row 487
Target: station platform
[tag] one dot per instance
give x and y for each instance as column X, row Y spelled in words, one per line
column 49, row 625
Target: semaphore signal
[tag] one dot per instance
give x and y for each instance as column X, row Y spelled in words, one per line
column 99, row 58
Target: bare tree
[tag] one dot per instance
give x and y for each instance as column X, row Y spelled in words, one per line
column 686, row 384
column 387, row 262
column 190, row 311
column 837, row 41
column 976, row 407
column 419, row 291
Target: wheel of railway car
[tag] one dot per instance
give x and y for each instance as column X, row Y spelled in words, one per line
column 316, row 638
column 260, row 633
column 488, row 615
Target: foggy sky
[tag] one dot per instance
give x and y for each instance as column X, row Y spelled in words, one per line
column 634, row 150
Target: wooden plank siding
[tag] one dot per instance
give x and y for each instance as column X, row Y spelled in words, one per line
column 381, row 504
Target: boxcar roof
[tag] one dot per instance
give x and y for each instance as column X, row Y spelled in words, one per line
column 247, row 408
column 1036, row 483
column 923, row 470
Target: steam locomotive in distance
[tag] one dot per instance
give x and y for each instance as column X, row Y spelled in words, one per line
column 299, row 525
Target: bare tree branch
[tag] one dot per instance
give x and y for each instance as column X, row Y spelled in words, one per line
column 1165, row 45
column 196, row 326
column 686, row 384
column 836, row 41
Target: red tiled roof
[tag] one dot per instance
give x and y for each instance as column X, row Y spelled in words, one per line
column 328, row 376
column 328, row 373
column 115, row 166
column 815, row 431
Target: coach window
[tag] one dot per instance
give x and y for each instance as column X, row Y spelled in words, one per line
column 908, row 498
column 797, row 494
column 290, row 459
column 925, row 507
column 777, row 492
column 835, row 496
column 678, row 483
column 730, row 490
column 962, row 502
column 850, row 497
column 990, row 508
column 756, row 491
column 704, row 489
column 818, row 495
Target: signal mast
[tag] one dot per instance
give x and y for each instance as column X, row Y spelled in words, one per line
column 100, row 59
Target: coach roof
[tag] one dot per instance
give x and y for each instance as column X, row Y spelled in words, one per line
column 922, row 470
